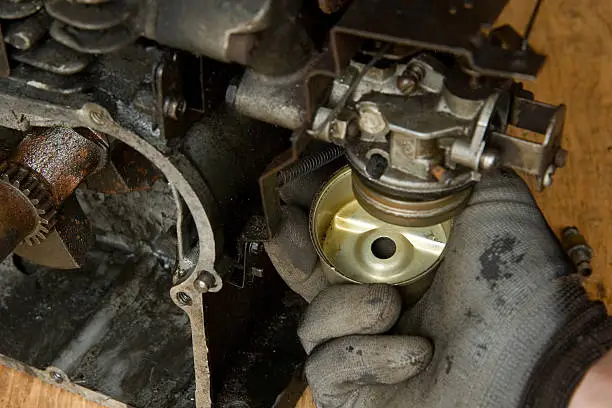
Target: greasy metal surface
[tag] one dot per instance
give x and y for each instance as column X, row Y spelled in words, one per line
column 361, row 248
column 67, row 244
column 109, row 327
column 52, row 375
column 54, row 57
column 276, row 100
column 205, row 27
column 5, row 68
column 18, row 218
column 168, row 87
column 176, row 169
column 89, row 17
column 25, row 33
column 414, row 213
column 92, row 41
column 47, row 81
column 268, row 182
column 62, row 156
column 13, row 10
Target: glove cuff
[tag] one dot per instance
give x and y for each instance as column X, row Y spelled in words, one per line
column 580, row 343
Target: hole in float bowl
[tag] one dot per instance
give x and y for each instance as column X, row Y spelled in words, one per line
column 383, row 248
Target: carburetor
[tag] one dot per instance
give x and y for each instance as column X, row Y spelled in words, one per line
column 419, row 134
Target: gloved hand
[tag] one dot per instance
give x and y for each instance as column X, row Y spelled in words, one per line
column 504, row 323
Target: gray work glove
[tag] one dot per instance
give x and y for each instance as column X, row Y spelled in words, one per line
column 504, row 323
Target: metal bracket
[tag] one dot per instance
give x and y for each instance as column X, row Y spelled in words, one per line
column 538, row 159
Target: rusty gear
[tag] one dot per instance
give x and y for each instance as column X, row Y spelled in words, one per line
column 34, row 188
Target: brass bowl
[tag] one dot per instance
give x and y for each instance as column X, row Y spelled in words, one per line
column 354, row 246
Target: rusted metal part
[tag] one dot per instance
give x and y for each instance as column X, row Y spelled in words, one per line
column 62, row 156
column 67, row 244
column 28, row 209
column 578, row 250
column 18, row 218
column 125, row 171
column 177, row 170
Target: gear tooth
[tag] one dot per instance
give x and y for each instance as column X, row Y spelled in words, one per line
column 29, row 184
column 45, row 206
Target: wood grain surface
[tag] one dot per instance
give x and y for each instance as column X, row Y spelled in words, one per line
column 577, row 37
column 19, row 390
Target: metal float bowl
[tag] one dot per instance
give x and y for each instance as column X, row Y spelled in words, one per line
column 356, row 247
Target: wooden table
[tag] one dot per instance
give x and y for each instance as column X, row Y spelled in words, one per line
column 577, row 37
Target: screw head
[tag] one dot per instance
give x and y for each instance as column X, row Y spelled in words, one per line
column 204, row 282
column 174, row 108
column 57, row 377
column 405, row 84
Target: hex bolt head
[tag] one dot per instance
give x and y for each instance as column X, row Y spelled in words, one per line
column 204, row 282
column 408, row 82
column 174, row 108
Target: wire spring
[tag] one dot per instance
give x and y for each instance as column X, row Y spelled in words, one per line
column 310, row 163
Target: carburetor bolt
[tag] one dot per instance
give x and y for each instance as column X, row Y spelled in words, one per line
column 489, row 160
column 410, row 79
column 577, row 249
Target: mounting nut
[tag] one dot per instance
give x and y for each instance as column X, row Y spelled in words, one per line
column 174, row 108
